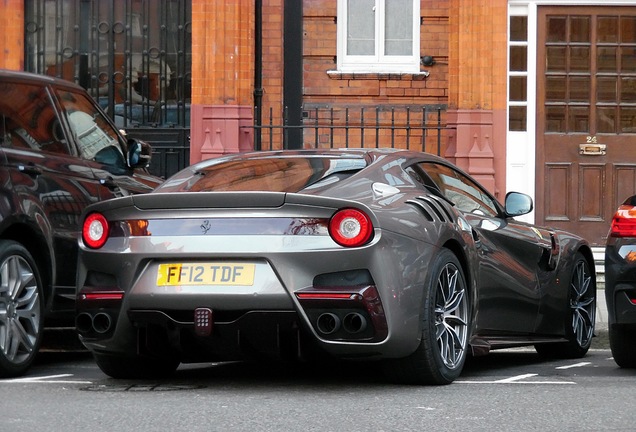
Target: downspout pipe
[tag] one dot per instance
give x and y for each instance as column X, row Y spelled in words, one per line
column 293, row 73
column 258, row 74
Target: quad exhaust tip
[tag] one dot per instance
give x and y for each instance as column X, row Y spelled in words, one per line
column 354, row 323
column 328, row 323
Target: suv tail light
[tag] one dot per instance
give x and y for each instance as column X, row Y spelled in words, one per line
column 624, row 222
column 95, row 230
column 350, row 227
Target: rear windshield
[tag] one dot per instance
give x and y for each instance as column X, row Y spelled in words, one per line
column 270, row 174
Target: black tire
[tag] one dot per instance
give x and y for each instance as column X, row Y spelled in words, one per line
column 136, row 367
column 22, row 305
column 440, row 357
column 622, row 340
column 580, row 318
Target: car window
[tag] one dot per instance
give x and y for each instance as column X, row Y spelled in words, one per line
column 29, row 120
column 467, row 195
column 273, row 174
column 96, row 139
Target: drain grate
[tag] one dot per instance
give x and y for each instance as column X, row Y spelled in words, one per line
column 140, row 387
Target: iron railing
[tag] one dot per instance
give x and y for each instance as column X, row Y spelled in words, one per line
column 419, row 128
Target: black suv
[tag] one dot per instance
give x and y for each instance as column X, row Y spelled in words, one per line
column 59, row 153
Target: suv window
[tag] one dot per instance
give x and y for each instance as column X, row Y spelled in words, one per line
column 95, row 137
column 28, row 119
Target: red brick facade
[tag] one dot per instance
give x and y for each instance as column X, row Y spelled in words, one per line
column 467, row 39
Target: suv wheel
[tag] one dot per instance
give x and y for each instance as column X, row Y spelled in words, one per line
column 622, row 339
column 21, row 309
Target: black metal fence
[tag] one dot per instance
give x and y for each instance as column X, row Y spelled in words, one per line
column 133, row 56
column 419, row 128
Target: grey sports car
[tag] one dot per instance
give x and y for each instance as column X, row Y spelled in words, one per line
column 351, row 254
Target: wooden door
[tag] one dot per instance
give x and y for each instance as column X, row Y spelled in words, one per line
column 586, row 116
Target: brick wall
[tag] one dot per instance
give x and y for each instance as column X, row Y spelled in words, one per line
column 223, row 52
column 341, row 91
column 478, row 38
column 466, row 38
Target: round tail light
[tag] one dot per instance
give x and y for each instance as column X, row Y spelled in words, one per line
column 95, row 230
column 350, row 227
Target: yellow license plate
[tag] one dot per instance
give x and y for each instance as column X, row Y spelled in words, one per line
column 210, row 273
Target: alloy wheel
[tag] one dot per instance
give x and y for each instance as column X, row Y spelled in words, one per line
column 582, row 304
column 19, row 310
column 451, row 316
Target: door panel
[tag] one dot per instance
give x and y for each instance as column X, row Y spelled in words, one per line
column 586, row 116
column 592, row 187
column 509, row 294
column 558, row 177
column 59, row 187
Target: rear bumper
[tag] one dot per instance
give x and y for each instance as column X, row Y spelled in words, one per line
column 621, row 303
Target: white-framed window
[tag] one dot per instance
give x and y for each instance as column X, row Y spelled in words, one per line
column 517, row 72
column 379, row 36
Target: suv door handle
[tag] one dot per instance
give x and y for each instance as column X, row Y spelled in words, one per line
column 30, row 170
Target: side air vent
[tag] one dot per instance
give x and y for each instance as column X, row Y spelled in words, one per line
column 433, row 209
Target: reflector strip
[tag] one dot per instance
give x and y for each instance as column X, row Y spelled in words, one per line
column 304, row 296
column 103, row 295
column 223, row 226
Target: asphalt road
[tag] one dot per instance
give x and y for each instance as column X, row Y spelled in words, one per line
column 504, row 391
column 512, row 390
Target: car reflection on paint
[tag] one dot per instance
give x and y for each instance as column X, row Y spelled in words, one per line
column 378, row 255
column 59, row 152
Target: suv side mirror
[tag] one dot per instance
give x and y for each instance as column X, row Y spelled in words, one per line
column 139, row 153
column 518, row 204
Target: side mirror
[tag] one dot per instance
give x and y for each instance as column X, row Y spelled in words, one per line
column 139, row 153
column 518, row 204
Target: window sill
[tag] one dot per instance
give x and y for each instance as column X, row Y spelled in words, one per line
column 410, row 76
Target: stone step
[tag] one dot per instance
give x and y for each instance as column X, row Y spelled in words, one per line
column 599, row 264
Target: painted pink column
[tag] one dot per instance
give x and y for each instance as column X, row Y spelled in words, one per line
column 470, row 145
column 220, row 129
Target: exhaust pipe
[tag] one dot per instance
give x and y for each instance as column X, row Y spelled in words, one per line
column 84, row 323
column 354, row 323
column 328, row 323
column 101, row 322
